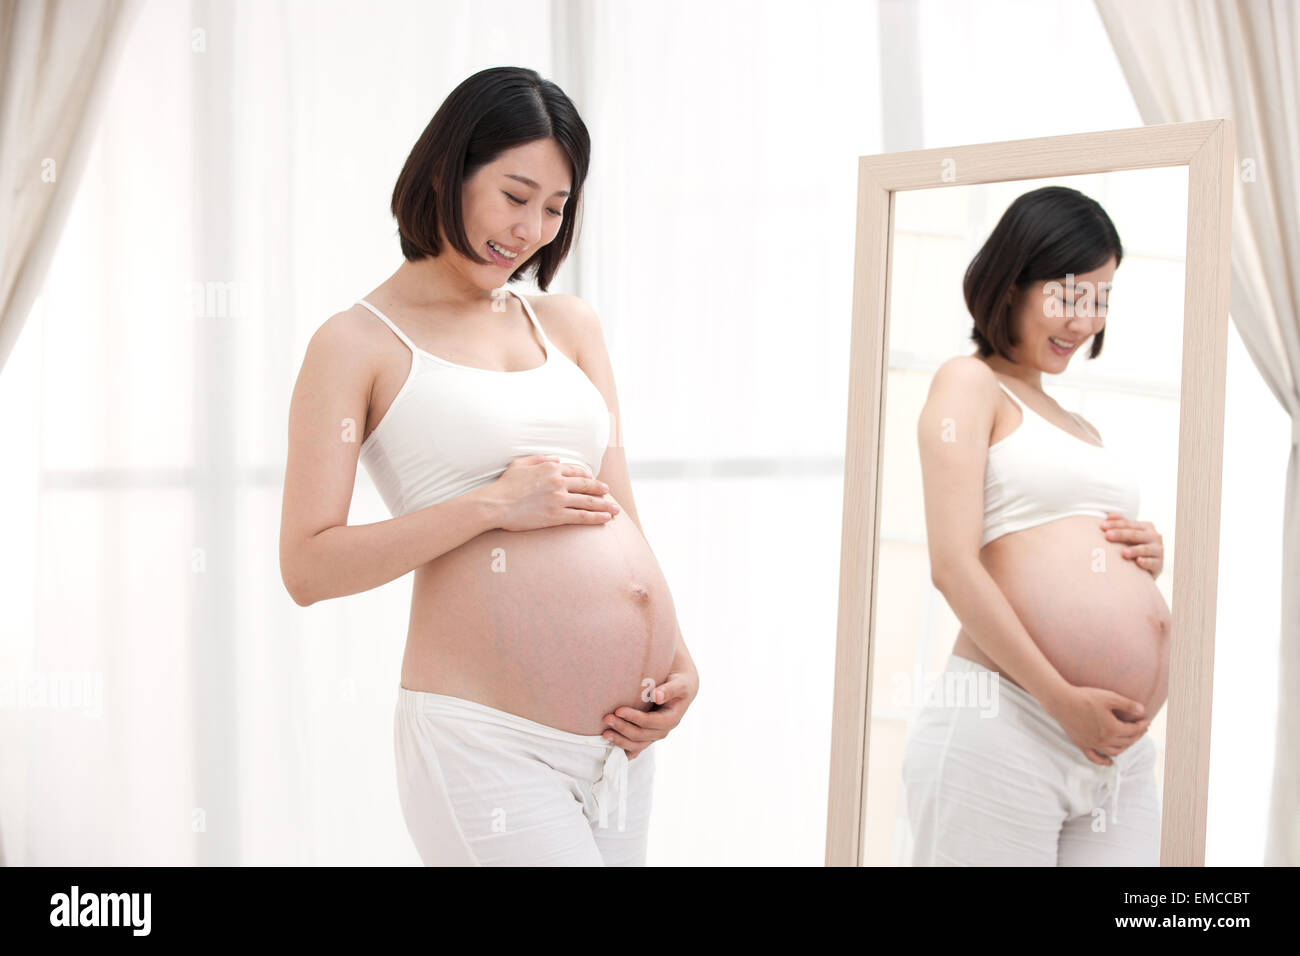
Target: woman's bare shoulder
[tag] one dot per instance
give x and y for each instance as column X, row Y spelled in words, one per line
column 964, row 375
column 565, row 318
column 348, row 346
column 355, row 327
column 963, row 390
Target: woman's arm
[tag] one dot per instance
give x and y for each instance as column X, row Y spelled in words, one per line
column 953, row 434
column 321, row 556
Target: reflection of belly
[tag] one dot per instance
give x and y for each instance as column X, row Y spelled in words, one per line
column 560, row 625
column 1097, row 616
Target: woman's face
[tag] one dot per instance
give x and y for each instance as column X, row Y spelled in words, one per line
column 1054, row 319
column 515, row 203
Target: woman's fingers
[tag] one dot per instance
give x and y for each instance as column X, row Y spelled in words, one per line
column 628, row 729
column 594, row 503
column 1121, row 707
column 592, row 510
column 584, row 516
column 591, row 494
column 631, row 746
column 1117, row 740
column 1096, row 757
column 588, row 509
column 583, row 482
column 671, row 689
column 1132, row 731
column 1124, row 736
column 658, row 721
column 1120, row 724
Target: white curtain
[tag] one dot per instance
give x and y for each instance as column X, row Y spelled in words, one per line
column 56, row 57
column 56, row 61
column 1201, row 59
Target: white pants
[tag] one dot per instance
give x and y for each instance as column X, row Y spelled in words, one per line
column 1011, row 789
column 482, row 787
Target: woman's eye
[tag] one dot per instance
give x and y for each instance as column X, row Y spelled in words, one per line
column 520, row 202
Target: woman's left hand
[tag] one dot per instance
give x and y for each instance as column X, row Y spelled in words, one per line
column 1146, row 547
column 635, row 730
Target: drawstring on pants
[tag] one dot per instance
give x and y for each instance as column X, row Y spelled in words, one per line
column 613, row 780
column 1113, row 777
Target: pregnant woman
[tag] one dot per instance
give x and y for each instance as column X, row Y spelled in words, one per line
column 543, row 657
column 1034, row 542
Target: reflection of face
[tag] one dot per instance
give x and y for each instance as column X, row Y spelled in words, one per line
column 517, row 202
column 1070, row 310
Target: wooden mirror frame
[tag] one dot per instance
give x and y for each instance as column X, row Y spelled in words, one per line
column 1207, row 148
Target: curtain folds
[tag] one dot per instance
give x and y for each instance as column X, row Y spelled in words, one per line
column 58, row 57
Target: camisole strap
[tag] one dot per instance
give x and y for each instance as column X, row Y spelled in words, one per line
column 1019, row 403
column 1086, row 427
column 389, row 322
column 528, row 310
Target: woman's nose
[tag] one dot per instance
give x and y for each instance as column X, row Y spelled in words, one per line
column 528, row 232
column 1086, row 322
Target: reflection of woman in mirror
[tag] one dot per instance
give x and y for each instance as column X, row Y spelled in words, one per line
column 543, row 657
column 1034, row 542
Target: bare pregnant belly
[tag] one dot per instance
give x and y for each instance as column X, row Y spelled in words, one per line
column 560, row 625
column 1096, row 615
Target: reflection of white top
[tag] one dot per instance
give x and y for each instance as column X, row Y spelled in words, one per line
column 453, row 428
column 1040, row 472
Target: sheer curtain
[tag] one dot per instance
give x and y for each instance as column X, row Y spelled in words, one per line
column 237, row 196
column 56, row 59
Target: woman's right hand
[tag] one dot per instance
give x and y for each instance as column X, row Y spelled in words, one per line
column 539, row 491
column 1087, row 716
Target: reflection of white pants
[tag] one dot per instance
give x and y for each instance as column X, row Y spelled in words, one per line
column 1013, row 789
column 483, row 787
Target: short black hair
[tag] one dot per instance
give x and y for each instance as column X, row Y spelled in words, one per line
column 494, row 110
column 1046, row 233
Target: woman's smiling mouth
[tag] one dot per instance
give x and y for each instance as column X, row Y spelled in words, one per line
column 501, row 254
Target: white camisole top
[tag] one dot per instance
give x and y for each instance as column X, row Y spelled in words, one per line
column 453, row 428
column 1040, row 472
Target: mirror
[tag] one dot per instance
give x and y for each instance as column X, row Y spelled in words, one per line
column 939, row 755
